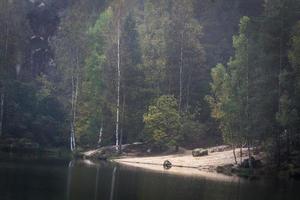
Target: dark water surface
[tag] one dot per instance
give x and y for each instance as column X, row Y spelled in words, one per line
column 53, row 179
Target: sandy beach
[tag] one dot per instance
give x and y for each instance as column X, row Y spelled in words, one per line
column 184, row 164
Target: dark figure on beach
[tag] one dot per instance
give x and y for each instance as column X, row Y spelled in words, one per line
column 167, row 164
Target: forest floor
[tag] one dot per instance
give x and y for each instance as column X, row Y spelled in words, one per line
column 184, row 163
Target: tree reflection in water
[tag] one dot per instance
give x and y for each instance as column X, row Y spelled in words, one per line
column 112, row 188
column 97, row 182
column 70, row 167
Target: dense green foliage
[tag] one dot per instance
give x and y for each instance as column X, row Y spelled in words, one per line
column 254, row 95
column 162, row 121
column 30, row 107
column 59, row 75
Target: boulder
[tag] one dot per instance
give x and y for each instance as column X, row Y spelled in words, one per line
column 100, row 154
column 199, row 152
column 103, row 153
column 219, row 148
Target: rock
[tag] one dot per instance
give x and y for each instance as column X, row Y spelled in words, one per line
column 167, row 164
column 199, row 152
column 219, row 148
column 103, row 153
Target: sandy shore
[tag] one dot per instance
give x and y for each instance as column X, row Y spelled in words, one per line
column 185, row 164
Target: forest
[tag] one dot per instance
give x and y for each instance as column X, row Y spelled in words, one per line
column 77, row 74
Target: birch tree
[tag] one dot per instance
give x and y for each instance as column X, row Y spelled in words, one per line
column 74, row 103
column 119, row 10
column 70, row 45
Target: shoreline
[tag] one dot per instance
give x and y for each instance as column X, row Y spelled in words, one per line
column 180, row 171
column 184, row 164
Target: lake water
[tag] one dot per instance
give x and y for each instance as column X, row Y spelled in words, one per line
column 53, row 179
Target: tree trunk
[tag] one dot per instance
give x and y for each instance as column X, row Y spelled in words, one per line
column 100, row 136
column 122, row 123
column 75, row 87
column 1, row 112
column 72, row 116
column 118, row 86
column 234, row 154
column 72, row 138
column 75, row 107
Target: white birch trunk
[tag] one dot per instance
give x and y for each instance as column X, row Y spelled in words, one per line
column 118, row 86
column 72, row 114
column 1, row 112
column 100, row 136
column 75, row 108
column 75, row 91
column 75, row 82
column 122, row 125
